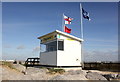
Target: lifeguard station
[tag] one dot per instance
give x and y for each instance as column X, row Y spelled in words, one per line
column 60, row 49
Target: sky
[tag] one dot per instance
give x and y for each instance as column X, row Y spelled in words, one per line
column 23, row 22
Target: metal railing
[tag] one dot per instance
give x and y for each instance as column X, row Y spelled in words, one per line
column 30, row 62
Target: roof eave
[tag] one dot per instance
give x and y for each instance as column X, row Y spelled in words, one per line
column 71, row 36
column 65, row 34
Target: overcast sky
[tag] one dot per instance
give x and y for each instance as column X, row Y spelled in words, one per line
column 24, row 22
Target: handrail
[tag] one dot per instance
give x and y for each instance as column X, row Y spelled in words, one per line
column 32, row 62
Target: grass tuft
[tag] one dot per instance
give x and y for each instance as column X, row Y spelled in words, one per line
column 8, row 64
column 53, row 71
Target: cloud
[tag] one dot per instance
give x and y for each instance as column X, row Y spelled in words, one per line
column 7, row 46
column 102, row 45
column 93, row 56
column 21, row 47
column 15, row 56
column 102, row 40
column 36, row 49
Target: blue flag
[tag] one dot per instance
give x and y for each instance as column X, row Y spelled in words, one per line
column 85, row 14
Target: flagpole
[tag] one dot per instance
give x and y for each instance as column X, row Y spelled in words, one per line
column 81, row 21
column 63, row 22
column 81, row 35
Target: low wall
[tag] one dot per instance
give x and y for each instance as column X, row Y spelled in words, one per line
column 102, row 66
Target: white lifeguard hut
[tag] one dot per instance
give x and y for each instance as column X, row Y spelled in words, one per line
column 60, row 49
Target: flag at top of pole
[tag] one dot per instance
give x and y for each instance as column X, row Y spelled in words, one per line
column 67, row 20
column 85, row 15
